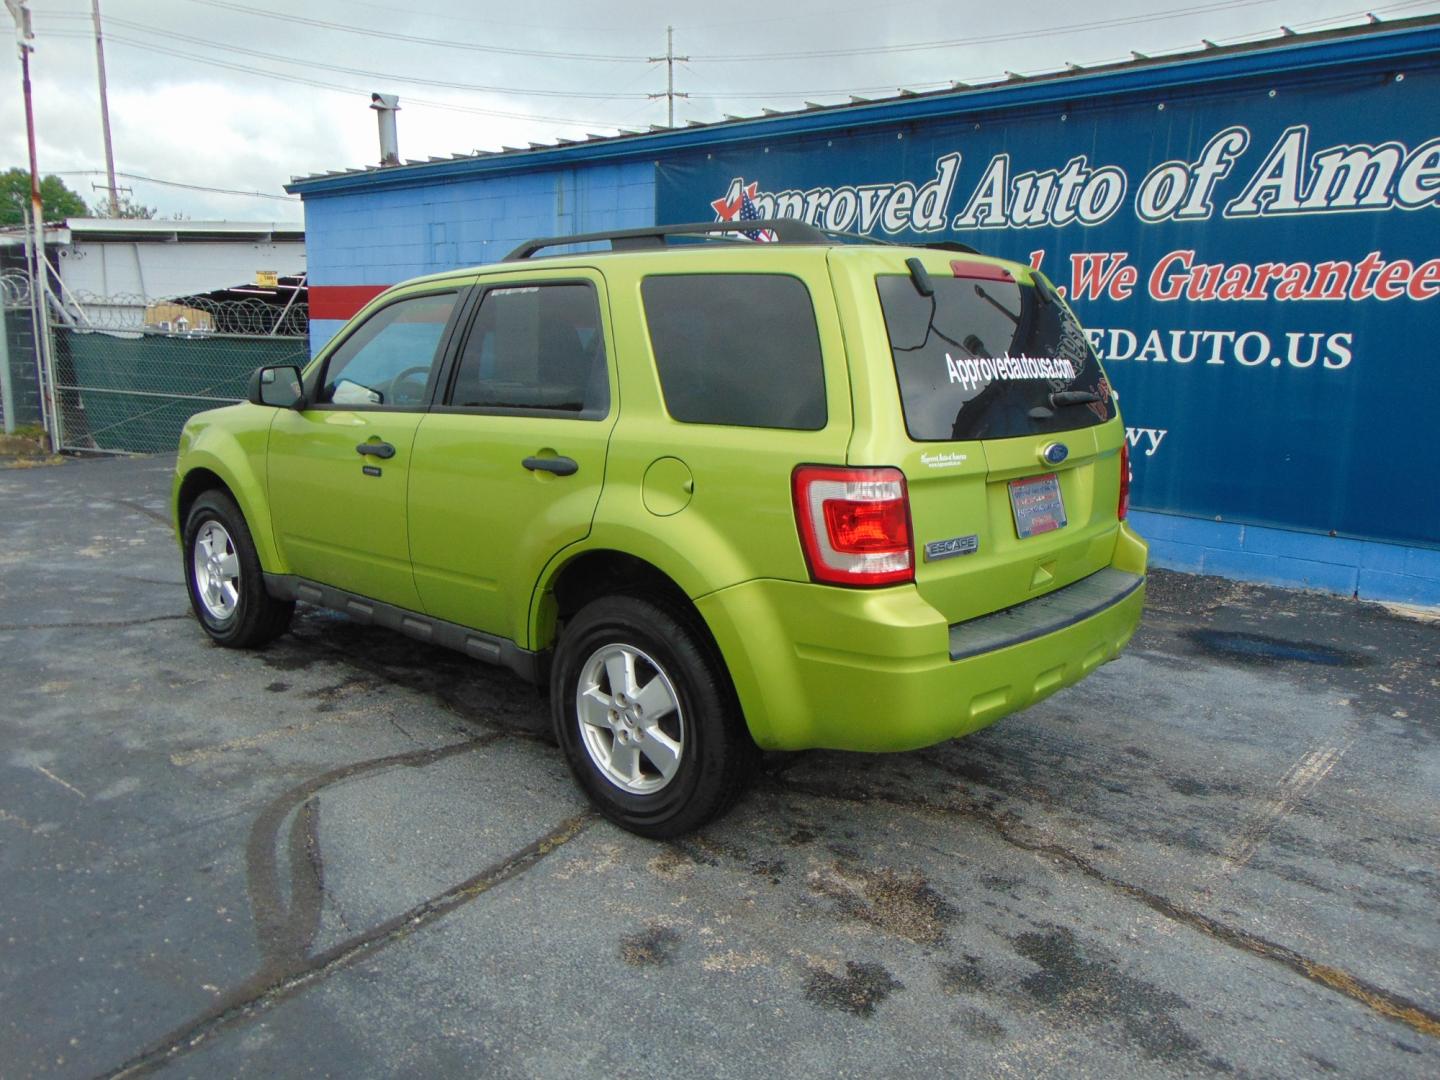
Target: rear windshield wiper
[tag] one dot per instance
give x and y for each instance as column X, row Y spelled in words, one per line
column 1074, row 397
column 1061, row 398
column 1012, row 316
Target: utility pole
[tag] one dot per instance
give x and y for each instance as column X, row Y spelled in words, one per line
column 39, row 280
column 23, row 36
column 669, row 59
column 105, row 110
column 7, row 393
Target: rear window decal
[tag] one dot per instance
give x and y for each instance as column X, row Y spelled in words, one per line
column 972, row 374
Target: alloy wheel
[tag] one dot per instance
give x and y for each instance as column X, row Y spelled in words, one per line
column 630, row 718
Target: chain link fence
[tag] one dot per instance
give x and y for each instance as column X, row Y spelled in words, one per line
column 132, row 393
column 122, row 374
column 20, row 393
column 130, row 371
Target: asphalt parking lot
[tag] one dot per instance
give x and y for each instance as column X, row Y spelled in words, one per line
column 352, row 854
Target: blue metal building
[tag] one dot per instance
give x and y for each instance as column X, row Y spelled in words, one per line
column 1252, row 234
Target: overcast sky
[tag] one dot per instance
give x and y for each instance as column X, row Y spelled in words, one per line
column 203, row 92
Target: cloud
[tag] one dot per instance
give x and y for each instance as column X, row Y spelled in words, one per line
column 177, row 118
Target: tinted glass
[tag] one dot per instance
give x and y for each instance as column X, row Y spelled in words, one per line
column 388, row 360
column 535, row 347
column 984, row 359
column 738, row 349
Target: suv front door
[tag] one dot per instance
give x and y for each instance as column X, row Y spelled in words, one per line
column 507, row 467
column 338, row 471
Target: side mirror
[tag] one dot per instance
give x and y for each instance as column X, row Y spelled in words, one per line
column 279, row 387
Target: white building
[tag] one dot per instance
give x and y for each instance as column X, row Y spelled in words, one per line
column 112, row 267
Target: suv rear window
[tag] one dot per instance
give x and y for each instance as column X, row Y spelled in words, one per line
column 985, row 358
column 737, row 349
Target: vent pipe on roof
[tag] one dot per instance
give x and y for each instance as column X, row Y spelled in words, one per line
column 386, row 106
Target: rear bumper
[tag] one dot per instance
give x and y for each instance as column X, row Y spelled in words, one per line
column 872, row 669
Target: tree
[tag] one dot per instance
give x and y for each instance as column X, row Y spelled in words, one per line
column 60, row 201
column 128, row 208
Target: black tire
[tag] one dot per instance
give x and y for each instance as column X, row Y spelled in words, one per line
column 716, row 754
column 254, row 617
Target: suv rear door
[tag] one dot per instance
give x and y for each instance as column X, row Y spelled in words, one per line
column 509, row 464
column 989, row 398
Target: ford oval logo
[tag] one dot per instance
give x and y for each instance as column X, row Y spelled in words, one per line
column 1055, row 453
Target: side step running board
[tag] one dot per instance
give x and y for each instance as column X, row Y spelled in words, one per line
column 530, row 666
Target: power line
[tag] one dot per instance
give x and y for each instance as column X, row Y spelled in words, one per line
column 318, row 84
column 1372, row 11
column 984, row 39
column 391, row 35
column 749, row 20
column 410, row 9
column 179, row 184
column 1099, row 24
column 941, row 84
column 745, row 24
column 542, row 118
column 753, row 95
column 171, row 35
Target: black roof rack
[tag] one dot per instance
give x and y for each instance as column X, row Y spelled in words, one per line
column 951, row 245
column 783, row 230
column 786, row 230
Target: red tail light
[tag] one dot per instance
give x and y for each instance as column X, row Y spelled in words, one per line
column 1123, row 509
column 854, row 524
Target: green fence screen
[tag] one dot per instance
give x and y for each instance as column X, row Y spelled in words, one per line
column 133, row 392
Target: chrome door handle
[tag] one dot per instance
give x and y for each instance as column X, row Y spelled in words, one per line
column 560, row 466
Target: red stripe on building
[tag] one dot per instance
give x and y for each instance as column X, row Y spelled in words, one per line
column 341, row 301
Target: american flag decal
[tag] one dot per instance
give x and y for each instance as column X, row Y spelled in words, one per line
column 742, row 208
column 749, row 213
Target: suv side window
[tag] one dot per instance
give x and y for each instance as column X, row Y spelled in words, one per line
column 737, row 349
column 389, row 357
column 535, row 348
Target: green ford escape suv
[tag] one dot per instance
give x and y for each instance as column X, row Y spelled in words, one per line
column 718, row 496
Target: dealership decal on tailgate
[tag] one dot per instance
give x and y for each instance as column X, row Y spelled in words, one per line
column 1037, row 505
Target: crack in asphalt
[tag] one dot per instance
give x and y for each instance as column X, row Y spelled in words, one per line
column 400, row 728
column 286, row 932
column 1385, row 1002
column 140, row 508
column 116, row 624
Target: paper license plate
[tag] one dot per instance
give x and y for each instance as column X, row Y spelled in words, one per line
column 1037, row 504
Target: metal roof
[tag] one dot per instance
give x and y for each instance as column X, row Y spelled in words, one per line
column 81, row 230
column 1288, row 54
